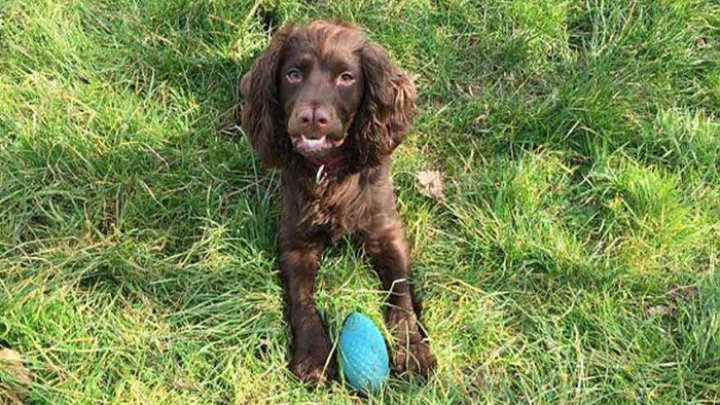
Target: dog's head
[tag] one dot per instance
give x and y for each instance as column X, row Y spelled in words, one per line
column 323, row 90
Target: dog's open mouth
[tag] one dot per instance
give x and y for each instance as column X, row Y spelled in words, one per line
column 316, row 147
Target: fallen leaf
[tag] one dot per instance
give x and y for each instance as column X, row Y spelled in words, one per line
column 183, row 383
column 430, row 184
column 480, row 381
column 479, row 120
column 688, row 293
column 661, row 310
column 14, row 377
column 701, row 41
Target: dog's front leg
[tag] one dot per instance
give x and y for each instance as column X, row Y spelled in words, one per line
column 310, row 346
column 385, row 243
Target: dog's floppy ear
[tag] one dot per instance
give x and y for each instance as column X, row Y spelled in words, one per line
column 387, row 109
column 262, row 114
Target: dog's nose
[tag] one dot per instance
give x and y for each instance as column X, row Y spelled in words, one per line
column 314, row 118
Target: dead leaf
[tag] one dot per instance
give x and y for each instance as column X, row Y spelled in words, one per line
column 701, row 41
column 480, row 381
column 14, row 389
column 687, row 293
column 430, row 184
column 479, row 120
column 183, row 383
column 661, row 310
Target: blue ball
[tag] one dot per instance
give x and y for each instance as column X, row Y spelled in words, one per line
column 363, row 354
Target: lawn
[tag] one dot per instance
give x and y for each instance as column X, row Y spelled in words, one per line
column 574, row 260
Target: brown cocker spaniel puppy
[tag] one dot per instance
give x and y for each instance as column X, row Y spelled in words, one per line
column 328, row 107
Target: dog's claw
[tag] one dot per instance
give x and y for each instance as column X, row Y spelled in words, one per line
column 312, row 374
column 310, row 364
column 410, row 353
column 414, row 358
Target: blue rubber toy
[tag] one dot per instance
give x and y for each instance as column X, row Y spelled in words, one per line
column 363, row 354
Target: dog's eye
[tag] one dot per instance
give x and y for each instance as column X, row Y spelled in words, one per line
column 294, row 75
column 345, row 79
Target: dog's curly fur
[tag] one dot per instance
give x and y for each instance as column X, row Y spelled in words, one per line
column 358, row 200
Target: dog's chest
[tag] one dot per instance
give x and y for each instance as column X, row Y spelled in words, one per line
column 336, row 207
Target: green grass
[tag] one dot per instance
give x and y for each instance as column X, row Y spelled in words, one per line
column 574, row 261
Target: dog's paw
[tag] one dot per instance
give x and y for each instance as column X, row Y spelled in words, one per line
column 413, row 358
column 312, row 364
column 410, row 352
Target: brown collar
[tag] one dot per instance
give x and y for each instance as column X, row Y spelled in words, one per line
column 333, row 166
